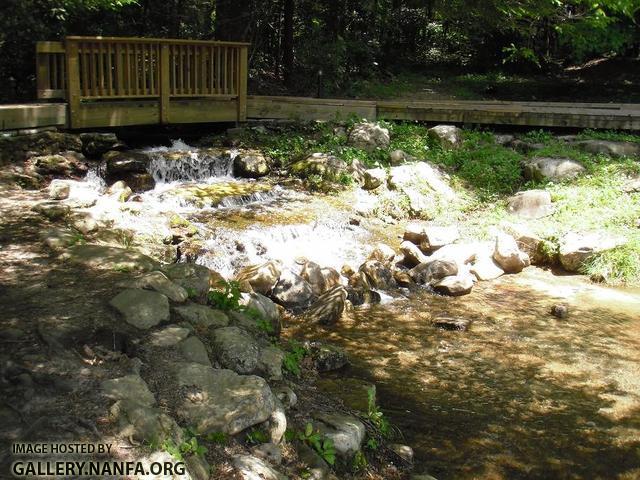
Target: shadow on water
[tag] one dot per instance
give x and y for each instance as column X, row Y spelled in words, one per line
column 520, row 395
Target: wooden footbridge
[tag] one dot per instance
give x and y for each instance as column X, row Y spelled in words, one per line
column 100, row 82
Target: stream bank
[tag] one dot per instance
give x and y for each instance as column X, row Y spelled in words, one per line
column 353, row 252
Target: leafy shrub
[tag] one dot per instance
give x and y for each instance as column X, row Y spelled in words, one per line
column 322, row 445
column 293, row 357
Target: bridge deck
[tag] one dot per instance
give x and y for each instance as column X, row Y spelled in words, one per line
column 105, row 114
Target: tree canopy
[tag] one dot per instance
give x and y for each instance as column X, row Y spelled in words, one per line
column 294, row 40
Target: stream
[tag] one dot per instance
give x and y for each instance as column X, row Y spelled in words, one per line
column 521, row 394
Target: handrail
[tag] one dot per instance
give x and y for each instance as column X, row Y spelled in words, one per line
column 91, row 69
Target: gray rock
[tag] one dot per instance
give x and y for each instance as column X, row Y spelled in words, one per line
column 485, row 268
column 141, row 308
column 611, row 148
column 202, row 316
column 253, row 468
column 262, row 278
column 552, row 169
column 192, row 277
column 327, row 357
column 52, row 210
column 369, row 136
column 96, row 144
column 250, row 165
column 85, row 223
column 531, row 204
column 329, row 307
column 269, row 452
column 292, row 291
column 345, row 431
column 363, row 296
column 528, row 242
column 194, row 351
column 508, row 256
column 235, row 349
column 576, row 249
column 447, row 136
column 326, row 166
column 503, row 139
column 159, row 282
column 276, row 426
column 222, row 401
column 460, row 253
column 63, row 164
column 432, row 272
column 378, row 274
column 405, row 452
column 130, row 387
column 168, row 336
column 374, row 177
column 383, row 253
column 430, row 237
column 560, row 311
column 412, row 254
column 446, row 322
column 420, row 175
column 312, row 273
column 58, row 238
column 144, row 423
column 455, row 285
column 317, row 468
column 118, row 163
column 266, row 308
column 59, row 190
column 398, row 157
column 270, row 362
column 285, row 395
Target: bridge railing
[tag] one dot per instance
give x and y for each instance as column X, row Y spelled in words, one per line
column 94, row 69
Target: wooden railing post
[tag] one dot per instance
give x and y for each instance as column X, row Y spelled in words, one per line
column 73, row 82
column 243, row 74
column 165, row 79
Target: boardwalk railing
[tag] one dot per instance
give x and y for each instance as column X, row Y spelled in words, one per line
column 93, row 73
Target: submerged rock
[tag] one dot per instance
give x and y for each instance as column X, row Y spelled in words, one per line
column 560, row 311
column 130, row 387
column 446, row 322
column 141, row 308
column 222, row 400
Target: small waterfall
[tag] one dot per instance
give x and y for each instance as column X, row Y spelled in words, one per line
column 180, row 162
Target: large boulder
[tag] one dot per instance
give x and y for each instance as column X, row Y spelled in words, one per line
column 382, row 253
column 324, row 165
column 455, row 285
column 485, row 268
column 59, row 190
column 141, row 308
column 235, row 349
column 270, row 362
column 110, row 258
column 369, row 136
column 528, row 241
column 222, row 400
column 201, row 316
column 412, row 254
column 312, row 273
column 431, row 237
column 378, row 275
column 328, row 308
column 420, row 176
column 576, row 248
column 460, row 253
column 254, row 468
column 20, row 147
column 265, row 308
column 508, row 256
column 261, row 278
column 130, row 387
column 159, row 282
column 608, row 147
column 447, row 136
column 292, row 291
column 117, row 163
column 345, row 431
column 250, row 165
column 95, row 144
column 193, row 350
column 398, row 157
column 543, row 169
column 433, row 271
column 531, row 204
column 64, row 164
column 374, row 177
column 195, row 279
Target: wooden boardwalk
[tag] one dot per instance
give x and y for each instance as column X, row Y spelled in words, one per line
column 107, row 82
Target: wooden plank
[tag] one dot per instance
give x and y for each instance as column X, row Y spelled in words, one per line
column 165, row 93
column 218, row 60
column 42, row 74
column 109, row 71
column 308, row 109
column 50, row 47
column 16, row 117
column 73, row 83
column 119, row 73
column 203, row 110
column 243, row 74
column 84, row 81
column 118, row 114
column 171, row 41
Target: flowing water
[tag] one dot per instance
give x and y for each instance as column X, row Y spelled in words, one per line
column 520, row 395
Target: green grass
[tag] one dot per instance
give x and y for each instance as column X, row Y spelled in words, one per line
column 620, row 266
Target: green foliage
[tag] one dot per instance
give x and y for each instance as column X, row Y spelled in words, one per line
column 359, row 462
column 620, row 266
column 322, row 445
column 188, row 446
column 611, row 135
column 293, row 358
column 372, row 444
column 226, row 298
column 538, row 136
column 375, row 415
column 219, row 438
column 257, row 436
